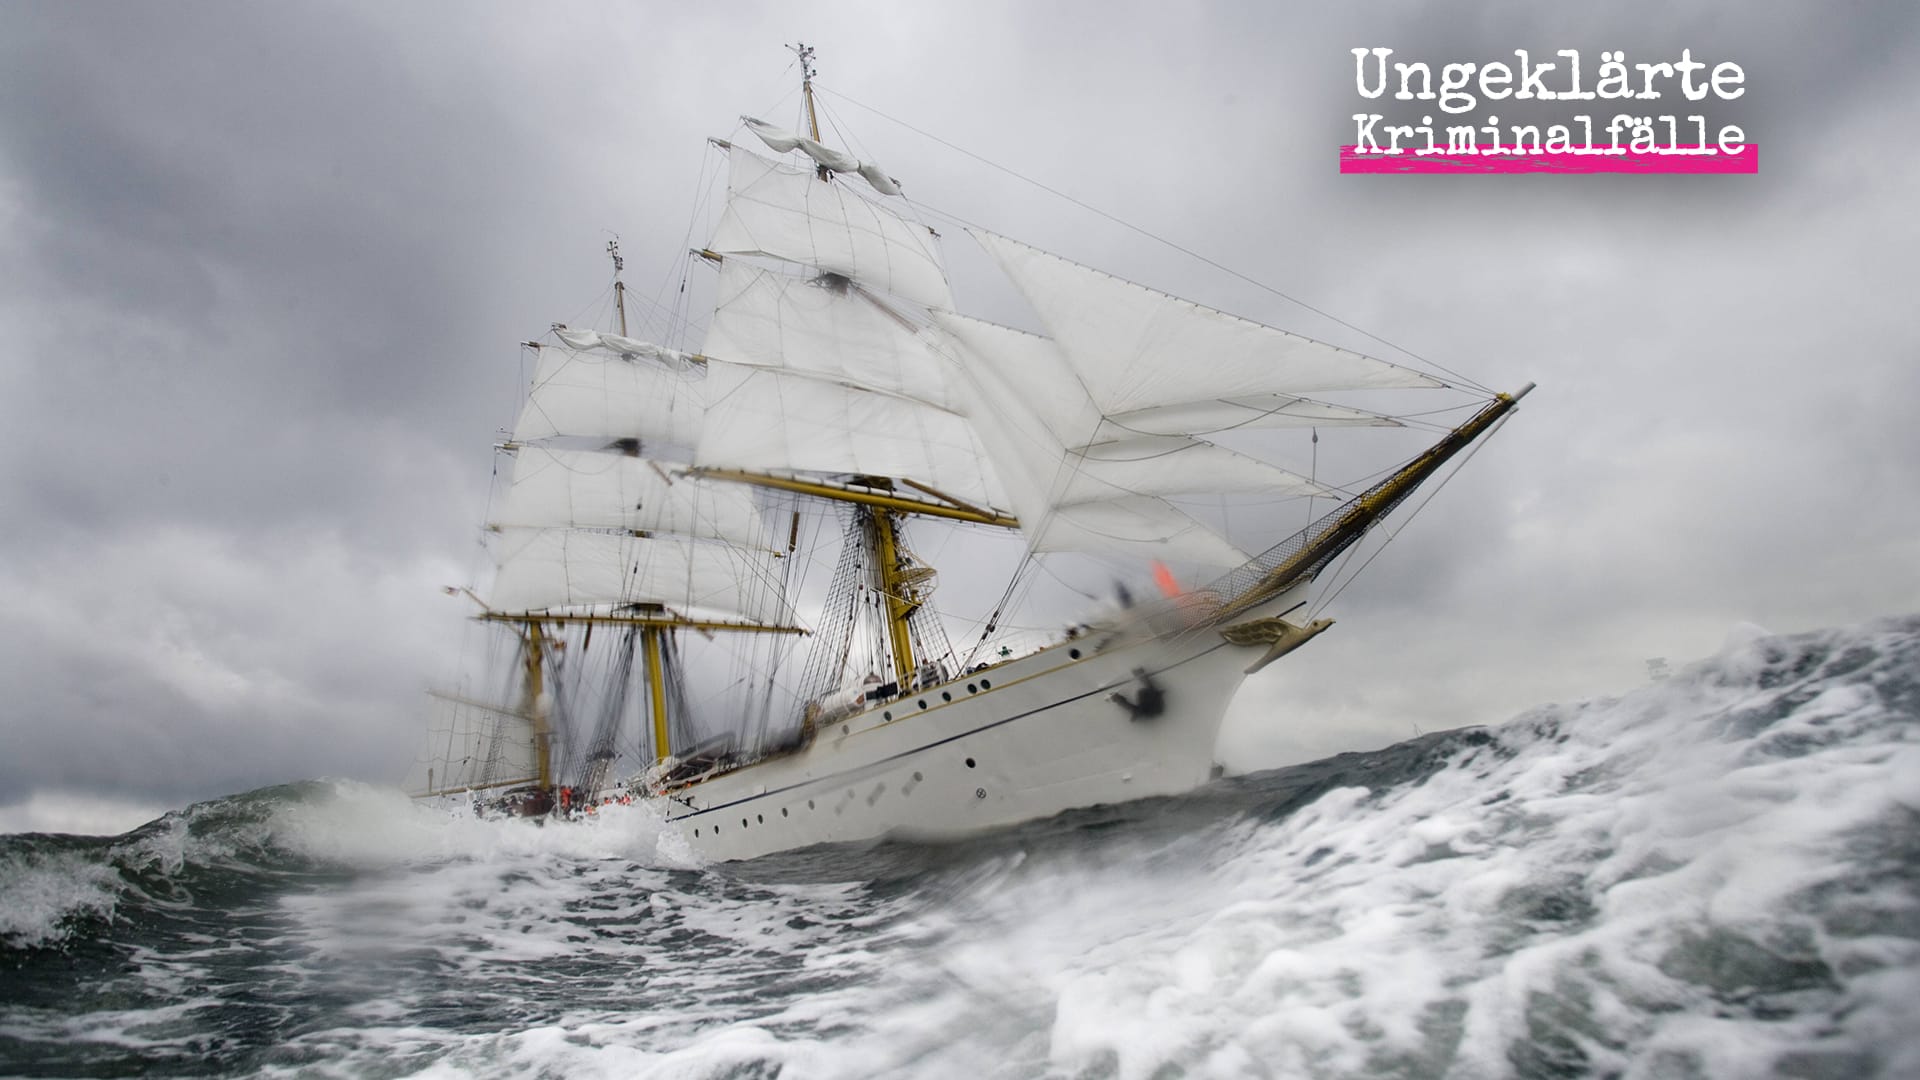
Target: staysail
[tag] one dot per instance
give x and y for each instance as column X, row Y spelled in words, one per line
column 1135, row 348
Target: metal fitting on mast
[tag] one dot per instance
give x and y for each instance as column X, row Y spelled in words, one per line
column 805, row 53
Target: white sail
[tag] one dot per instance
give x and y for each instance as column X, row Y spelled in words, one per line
column 1037, row 366
column 626, row 347
column 1171, row 465
column 1135, row 348
column 1059, row 456
column 1100, row 499
column 1029, row 369
column 1065, row 504
column 790, row 214
column 1216, row 415
column 824, row 327
column 594, row 490
column 552, row 569
column 1137, row 527
column 472, row 744
column 601, row 394
column 767, row 419
column 785, row 141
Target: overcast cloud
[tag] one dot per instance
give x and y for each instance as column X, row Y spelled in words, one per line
column 263, row 268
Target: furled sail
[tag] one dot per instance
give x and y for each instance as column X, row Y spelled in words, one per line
column 768, row 419
column 554, row 569
column 778, row 138
column 626, row 347
column 600, row 392
column 788, row 214
column 595, row 490
column 1134, row 348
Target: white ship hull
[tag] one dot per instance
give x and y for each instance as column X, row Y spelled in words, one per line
column 1018, row 741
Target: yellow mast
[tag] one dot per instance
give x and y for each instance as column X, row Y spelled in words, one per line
column 879, row 499
column 653, row 630
column 886, row 552
column 656, row 687
column 535, row 690
column 883, row 509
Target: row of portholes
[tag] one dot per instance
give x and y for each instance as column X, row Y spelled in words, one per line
column 945, row 695
column 761, row 819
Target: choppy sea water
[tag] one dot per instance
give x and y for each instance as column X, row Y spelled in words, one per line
column 1714, row 876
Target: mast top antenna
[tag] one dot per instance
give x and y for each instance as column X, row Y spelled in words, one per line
column 613, row 249
column 805, row 52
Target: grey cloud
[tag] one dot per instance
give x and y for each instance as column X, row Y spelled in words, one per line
column 265, row 266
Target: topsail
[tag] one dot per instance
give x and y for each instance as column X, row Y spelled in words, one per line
column 788, row 214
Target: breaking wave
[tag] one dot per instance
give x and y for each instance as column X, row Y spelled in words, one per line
column 1712, row 876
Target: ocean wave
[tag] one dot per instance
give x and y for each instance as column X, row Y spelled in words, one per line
column 53, row 887
column 1712, row 876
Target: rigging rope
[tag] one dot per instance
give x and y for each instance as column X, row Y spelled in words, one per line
column 1326, row 598
column 1156, row 238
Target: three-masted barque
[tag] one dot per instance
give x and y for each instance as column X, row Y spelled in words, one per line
column 664, row 641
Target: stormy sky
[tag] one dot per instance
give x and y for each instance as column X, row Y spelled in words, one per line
column 263, row 269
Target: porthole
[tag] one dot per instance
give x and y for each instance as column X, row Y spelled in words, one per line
column 973, row 688
column 743, row 823
column 843, row 729
column 760, row 819
column 945, row 696
column 696, row 832
column 1074, row 653
column 923, row 703
column 809, row 804
column 985, row 685
column 917, row 777
column 783, row 811
column 888, row 715
column 969, row 763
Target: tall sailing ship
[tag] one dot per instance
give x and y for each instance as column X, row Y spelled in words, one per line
column 663, row 640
